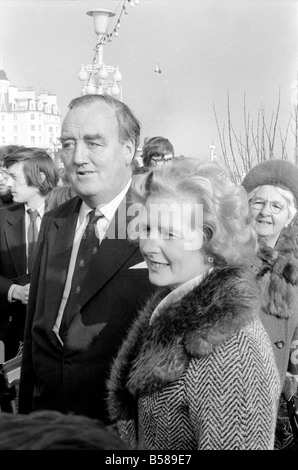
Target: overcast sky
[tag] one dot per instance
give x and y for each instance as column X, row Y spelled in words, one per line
column 205, row 48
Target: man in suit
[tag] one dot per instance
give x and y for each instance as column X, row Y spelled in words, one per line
column 30, row 175
column 79, row 311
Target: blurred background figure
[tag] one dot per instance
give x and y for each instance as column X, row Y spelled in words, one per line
column 59, row 195
column 62, row 193
column 30, row 175
column 156, row 151
column 5, row 194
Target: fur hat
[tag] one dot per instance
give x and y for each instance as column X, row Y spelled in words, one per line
column 280, row 173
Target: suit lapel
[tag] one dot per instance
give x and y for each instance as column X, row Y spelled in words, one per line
column 56, row 272
column 113, row 253
column 15, row 238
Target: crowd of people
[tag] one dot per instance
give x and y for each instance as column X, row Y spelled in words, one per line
column 154, row 306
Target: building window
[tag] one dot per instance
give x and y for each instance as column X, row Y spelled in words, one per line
column 32, row 116
column 15, row 117
column 3, row 140
column 50, row 129
column 39, row 128
column 3, row 128
column 3, row 117
column 32, row 128
column 32, row 139
column 15, row 128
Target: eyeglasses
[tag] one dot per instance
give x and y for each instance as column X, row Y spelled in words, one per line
column 162, row 159
column 259, row 204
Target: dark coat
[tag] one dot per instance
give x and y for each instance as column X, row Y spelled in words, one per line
column 277, row 274
column 6, row 200
column 202, row 375
column 12, row 265
column 72, row 378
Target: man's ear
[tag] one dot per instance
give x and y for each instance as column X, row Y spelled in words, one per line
column 42, row 176
column 129, row 151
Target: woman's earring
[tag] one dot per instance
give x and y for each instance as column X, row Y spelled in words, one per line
column 210, row 259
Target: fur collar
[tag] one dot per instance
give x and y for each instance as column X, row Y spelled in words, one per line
column 277, row 272
column 153, row 356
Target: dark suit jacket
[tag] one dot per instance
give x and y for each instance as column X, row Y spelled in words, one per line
column 6, row 200
column 12, row 265
column 73, row 378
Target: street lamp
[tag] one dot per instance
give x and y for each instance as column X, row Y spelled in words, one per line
column 96, row 76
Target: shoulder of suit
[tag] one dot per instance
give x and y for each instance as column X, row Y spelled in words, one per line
column 66, row 208
column 11, row 209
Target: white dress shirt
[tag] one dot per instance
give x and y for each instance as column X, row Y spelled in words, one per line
column 39, row 217
column 40, row 211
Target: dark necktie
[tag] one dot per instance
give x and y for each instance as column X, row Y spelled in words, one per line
column 32, row 237
column 87, row 250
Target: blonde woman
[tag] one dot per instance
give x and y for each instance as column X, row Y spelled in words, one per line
column 197, row 370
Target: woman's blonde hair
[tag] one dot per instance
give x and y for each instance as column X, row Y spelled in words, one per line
column 228, row 237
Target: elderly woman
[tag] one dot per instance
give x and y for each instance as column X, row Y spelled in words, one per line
column 197, row 370
column 272, row 188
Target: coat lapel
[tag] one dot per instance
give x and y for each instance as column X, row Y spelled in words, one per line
column 15, row 238
column 113, row 253
column 57, row 268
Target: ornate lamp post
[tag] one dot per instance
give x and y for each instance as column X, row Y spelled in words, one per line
column 96, row 76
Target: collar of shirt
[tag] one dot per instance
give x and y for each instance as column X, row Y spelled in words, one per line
column 40, row 210
column 177, row 294
column 108, row 210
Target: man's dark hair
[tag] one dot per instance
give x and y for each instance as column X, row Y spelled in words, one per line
column 36, row 161
column 6, row 150
column 156, row 147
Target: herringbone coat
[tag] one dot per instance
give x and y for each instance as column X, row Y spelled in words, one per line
column 202, row 375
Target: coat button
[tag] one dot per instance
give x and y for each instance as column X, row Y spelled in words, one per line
column 279, row 344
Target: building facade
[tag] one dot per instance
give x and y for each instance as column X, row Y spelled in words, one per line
column 27, row 118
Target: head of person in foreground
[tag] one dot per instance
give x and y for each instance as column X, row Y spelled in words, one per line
column 191, row 217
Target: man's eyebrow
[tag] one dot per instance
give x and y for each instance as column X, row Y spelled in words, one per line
column 62, row 138
column 96, row 136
